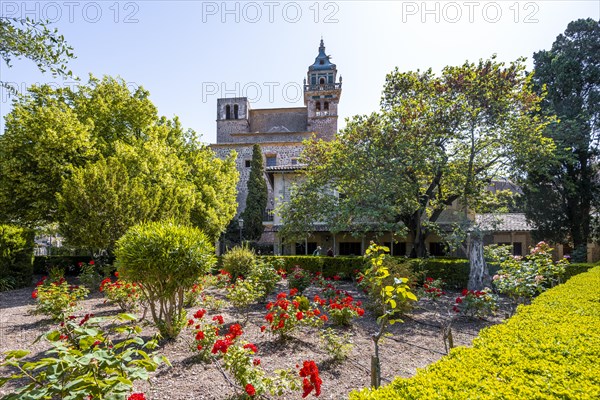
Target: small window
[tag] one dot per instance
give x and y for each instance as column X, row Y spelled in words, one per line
column 322, row 81
column 318, row 106
column 326, row 106
column 321, row 62
column 271, row 161
column 248, row 163
column 227, row 111
column 235, row 111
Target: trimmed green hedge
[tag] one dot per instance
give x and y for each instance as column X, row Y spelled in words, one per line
column 576, row 269
column 16, row 254
column 454, row 271
column 548, row 350
column 329, row 266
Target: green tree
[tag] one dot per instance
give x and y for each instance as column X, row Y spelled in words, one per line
column 560, row 195
column 256, row 202
column 100, row 159
column 430, row 153
column 25, row 38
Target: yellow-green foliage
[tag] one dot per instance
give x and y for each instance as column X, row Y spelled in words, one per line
column 548, row 350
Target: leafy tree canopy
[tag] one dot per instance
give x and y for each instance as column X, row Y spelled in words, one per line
column 25, row 38
column 99, row 159
column 437, row 141
column 562, row 195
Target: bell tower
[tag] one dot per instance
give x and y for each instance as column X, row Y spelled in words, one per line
column 322, row 95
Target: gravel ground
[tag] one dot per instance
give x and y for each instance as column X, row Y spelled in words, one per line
column 413, row 344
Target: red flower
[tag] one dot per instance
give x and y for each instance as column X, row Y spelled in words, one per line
column 324, row 318
column 190, row 322
column 219, row 319
column 235, row 330
column 250, row 390
column 117, row 274
column 281, row 295
column 293, row 292
column 262, row 328
column 80, row 264
column 459, row 300
column 252, row 347
column 336, row 278
column 256, row 361
column 137, row 396
column 92, row 262
column 360, row 312
column 269, row 317
column 221, row 345
column 465, row 292
column 199, row 335
column 429, row 279
column 310, row 373
column 96, row 343
column 34, row 294
column 200, row 313
column 199, row 347
column 299, row 315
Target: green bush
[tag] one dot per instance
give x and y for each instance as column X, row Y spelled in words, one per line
column 577, row 268
column 166, row 259
column 41, row 264
column 454, row 271
column 345, row 267
column 16, row 255
column 548, row 350
column 239, row 261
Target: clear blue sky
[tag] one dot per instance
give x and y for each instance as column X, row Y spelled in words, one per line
column 189, row 53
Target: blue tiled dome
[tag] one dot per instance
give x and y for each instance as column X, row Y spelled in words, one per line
column 322, row 61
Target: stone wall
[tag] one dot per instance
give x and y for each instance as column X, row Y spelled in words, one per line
column 285, row 152
column 279, row 120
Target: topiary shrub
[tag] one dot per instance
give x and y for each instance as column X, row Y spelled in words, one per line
column 16, row 255
column 166, row 259
column 239, row 261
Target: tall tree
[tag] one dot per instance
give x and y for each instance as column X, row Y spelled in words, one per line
column 559, row 198
column 25, row 38
column 99, row 160
column 437, row 142
column 256, row 202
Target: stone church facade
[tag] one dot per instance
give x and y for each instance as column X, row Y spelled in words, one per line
column 279, row 131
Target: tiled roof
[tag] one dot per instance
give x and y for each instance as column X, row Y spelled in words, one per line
column 509, row 222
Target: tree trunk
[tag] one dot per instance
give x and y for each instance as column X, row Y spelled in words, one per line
column 478, row 274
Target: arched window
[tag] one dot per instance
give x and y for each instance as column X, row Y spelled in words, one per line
column 235, row 111
column 227, row 111
column 322, row 81
column 318, row 106
column 326, row 106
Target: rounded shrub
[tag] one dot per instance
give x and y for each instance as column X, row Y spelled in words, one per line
column 239, row 261
column 166, row 259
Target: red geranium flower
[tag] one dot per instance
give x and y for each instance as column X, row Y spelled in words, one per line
column 137, row 396
column 256, row 361
column 459, row 300
column 262, row 328
column 219, row 319
column 200, row 313
column 299, row 315
column 236, row 330
column 34, row 294
column 252, row 347
column 92, row 262
column 465, row 292
column 250, row 390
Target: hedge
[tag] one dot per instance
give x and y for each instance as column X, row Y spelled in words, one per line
column 547, row 350
column 329, row 266
column 16, row 254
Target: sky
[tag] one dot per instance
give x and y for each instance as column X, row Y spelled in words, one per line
column 188, row 54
